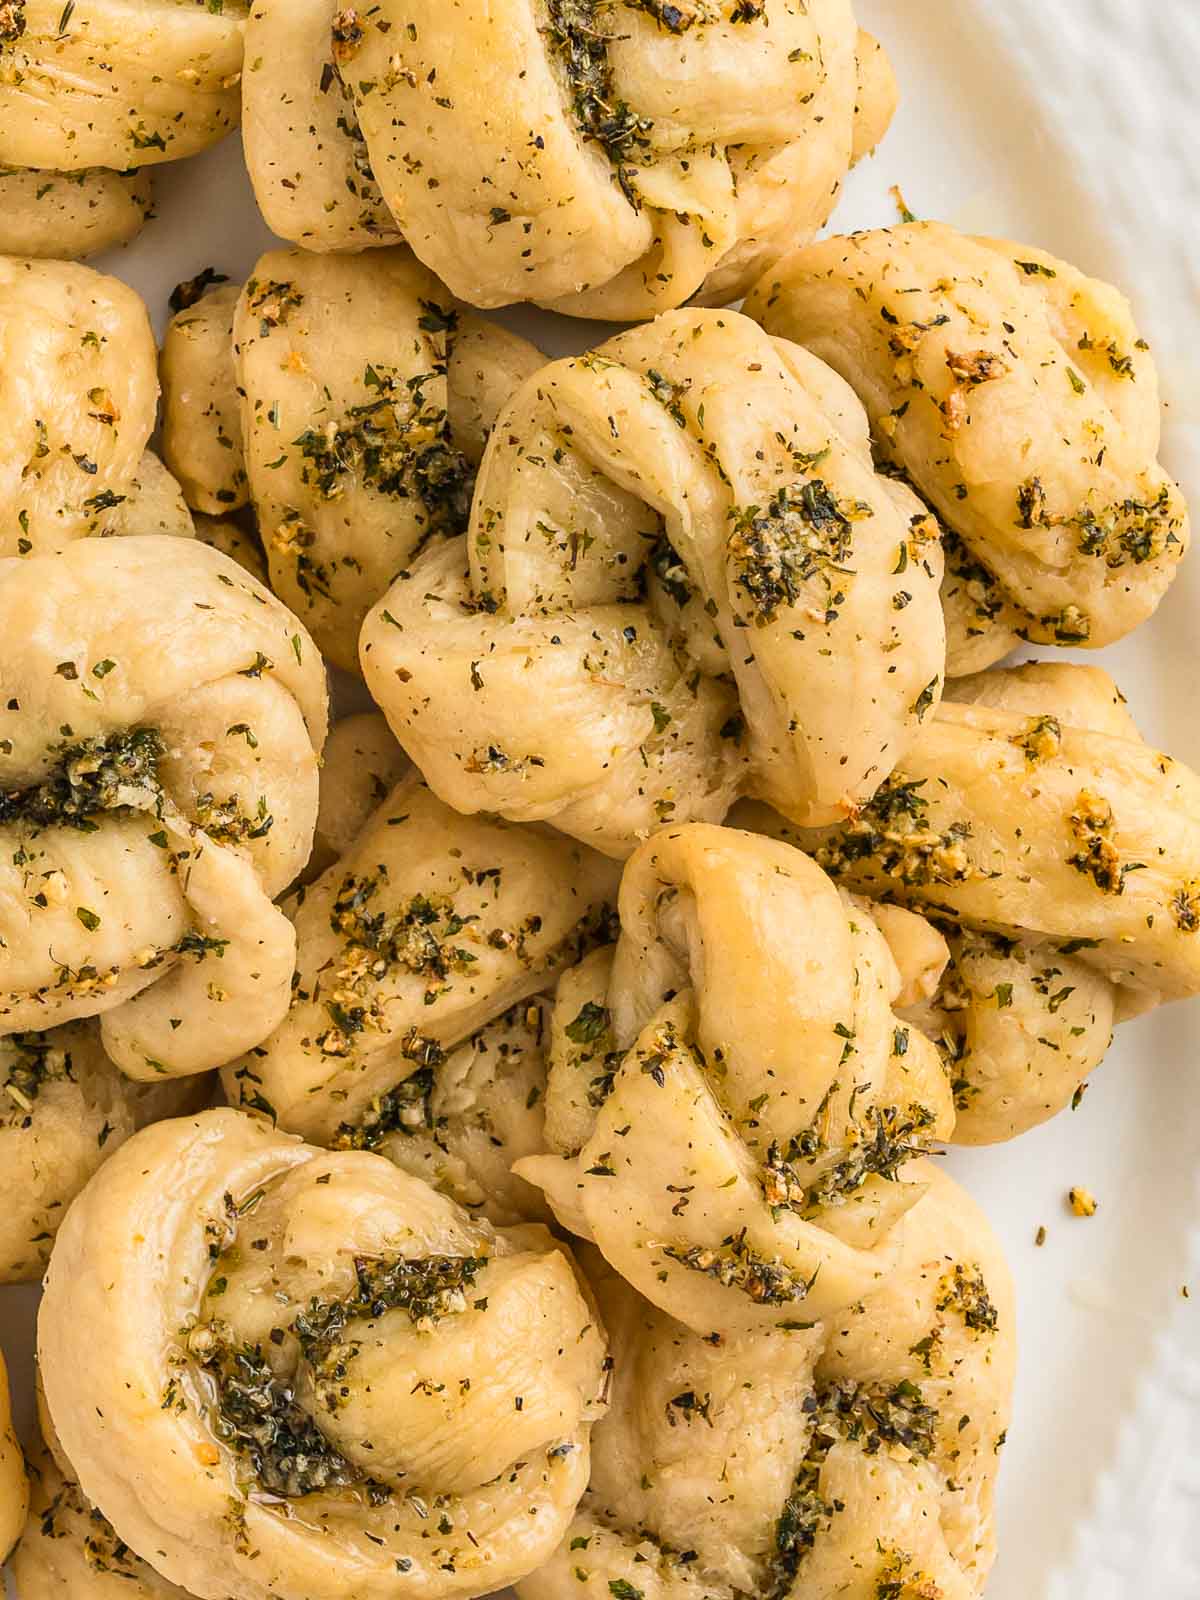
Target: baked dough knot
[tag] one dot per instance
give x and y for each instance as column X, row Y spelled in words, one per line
column 731, row 1092
column 1057, row 851
column 1018, row 397
column 107, row 83
column 420, row 953
column 612, row 158
column 856, row 1456
column 682, row 580
column 361, row 395
column 306, row 1368
column 79, row 393
column 161, row 721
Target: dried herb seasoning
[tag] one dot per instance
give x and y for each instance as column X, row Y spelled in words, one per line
column 580, row 44
column 428, row 1288
column 874, row 1416
column 28, row 1063
column 590, row 1024
column 108, row 773
column 1097, row 857
column 258, row 1416
column 1041, row 740
column 405, row 1108
column 892, row 833
column 878, row 1146
column 735, row 1264
column 12, row 21
column 1130, row 530
column 397, row 444
column 964, row 1291
column 186, row 294
column 803, row 532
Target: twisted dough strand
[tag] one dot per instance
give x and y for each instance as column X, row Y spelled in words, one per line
column 456, row 1113
column 71, row 1550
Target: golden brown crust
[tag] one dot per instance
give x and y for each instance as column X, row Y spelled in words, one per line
column 118, row 83
column 14, row 1486
column 78, row 391
column 64, row 216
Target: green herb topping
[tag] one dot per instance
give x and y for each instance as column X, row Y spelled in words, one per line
column 29, row 1062
column 870, row 1415
column 185, row 295
column 1097, row 857
column 112, row 772
column 1130, row 530
column 964, row 1291
column 397, row 444
column 580, row 45
column 803, row 533
column 402, row 1109
column 737, row 1265
column 877, row 1147
column 892, row 833
column 258, row 1416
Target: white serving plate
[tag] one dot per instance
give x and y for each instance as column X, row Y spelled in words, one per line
column 1073, row 124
